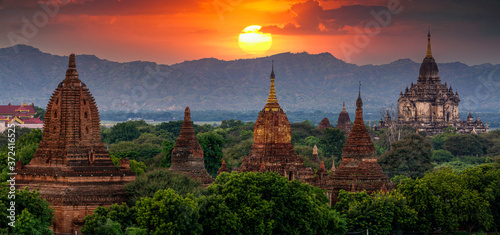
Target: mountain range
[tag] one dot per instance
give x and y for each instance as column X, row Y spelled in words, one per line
column 303, row 81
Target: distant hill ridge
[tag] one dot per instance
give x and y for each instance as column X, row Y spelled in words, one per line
column 303, row 82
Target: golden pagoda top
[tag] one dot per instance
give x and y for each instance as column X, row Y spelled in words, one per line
column 272, row 101
column 429, row 52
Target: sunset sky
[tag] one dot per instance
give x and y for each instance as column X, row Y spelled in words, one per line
column 174, row 31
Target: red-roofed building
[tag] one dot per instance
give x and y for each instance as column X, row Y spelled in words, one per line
column 22, row 115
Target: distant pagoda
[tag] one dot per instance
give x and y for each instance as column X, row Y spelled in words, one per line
column 359, row 169
column 71, row 167
column 325, row 123
column 431, row 106
column 187, row 155
column 272, row 149
column 344, row 122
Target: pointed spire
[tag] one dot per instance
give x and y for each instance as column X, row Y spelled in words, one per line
column 343, row 107
column 322, row 166
column 187, row 114
column 272, row 101
column 333, row 165
column 315, row 150
column 429, row 52
column 359, row 102
column 72, row 62
column 71, row 73
column 223, row 167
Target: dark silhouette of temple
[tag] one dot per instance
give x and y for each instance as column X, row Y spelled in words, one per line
column 187, row 155
column 359, row 169
column 431, row 106
column 71, row 167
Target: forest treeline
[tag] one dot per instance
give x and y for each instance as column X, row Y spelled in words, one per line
column 445, row 183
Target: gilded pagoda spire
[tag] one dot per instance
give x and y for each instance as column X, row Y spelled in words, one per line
column 429, row 52
column 272, row 101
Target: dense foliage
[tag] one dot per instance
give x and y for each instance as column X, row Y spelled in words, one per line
column 33, row 214
column 410, row 156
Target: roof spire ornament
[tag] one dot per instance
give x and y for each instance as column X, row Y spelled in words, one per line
column 429, row 52
column 272, row 101
column 359, row 102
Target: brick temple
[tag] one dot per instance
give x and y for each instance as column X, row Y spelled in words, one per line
column 344, row 122
column 72, row 167
column 359, row 169
column 187, row 155
column 272, row 149
column 325, row 123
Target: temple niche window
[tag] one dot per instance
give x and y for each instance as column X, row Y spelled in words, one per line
column 85, row 115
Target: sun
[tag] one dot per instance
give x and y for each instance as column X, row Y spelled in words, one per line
column 254, row 42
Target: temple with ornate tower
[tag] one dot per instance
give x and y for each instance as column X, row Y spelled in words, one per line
column 72, row 168
column 431, row 106
column 187, row 155
column 359, row 169
column 272, row 149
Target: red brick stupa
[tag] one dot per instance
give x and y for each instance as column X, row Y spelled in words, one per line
column 71, row 167
column 272, row 149
column 325, row 123
column 344, row 122
column 359, row 169
column 187, row 155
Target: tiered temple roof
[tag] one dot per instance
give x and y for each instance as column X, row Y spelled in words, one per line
column 359, row 169
column 71, row 167
column 272, row 149
column 187, row 155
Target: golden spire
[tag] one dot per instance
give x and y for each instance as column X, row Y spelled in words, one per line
column 429, row 52
column 272, row 101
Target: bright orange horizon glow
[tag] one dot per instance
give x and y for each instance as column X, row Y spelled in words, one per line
column 252, row 41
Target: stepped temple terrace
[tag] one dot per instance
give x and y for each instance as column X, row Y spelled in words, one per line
column 72, row 167
column 187, row 155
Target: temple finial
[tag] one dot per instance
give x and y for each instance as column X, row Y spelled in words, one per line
column 72, row 63
column 359, row 102
column 187, row 114
column 272, row 92
column 429, row 52
column 343, row 107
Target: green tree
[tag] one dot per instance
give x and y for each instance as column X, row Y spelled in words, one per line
column 147, row 184
column 231, row 124
column 167, row 147
column 40, row 113
column 467, row 145
column 211, row 143
column 382, row 213
column 110, row 220
column 123, row 131
column 444, row 202
column 137, row 167
column 441, row 156
column 332, row 142
column 28, row 223
column 410, row 156
column 169, row 213
column 269, row 203
column 28, row 207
